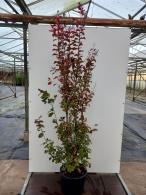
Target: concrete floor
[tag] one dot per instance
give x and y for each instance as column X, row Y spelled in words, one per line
column 134, row 175
column 14, row 172
column 12, row 177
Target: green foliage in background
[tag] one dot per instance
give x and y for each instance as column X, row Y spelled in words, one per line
column 20, row 79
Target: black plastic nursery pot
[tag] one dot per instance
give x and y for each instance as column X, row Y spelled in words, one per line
column 72, row 185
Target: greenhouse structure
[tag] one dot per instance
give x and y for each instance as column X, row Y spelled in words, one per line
column 34, row 36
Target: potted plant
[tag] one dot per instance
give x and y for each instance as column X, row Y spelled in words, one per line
column 72, row 75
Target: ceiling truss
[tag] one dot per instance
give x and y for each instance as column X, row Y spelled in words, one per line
column 138, row 34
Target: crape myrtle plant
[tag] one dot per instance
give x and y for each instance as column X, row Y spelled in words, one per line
column 72, row 75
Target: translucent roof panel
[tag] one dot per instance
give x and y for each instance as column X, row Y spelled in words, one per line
column 140, row 54
column 143, row 41
column 10, row 38
column 30, row 2
column 119, row 7
column 98, row 12
column 53, row 7
column 4, row 8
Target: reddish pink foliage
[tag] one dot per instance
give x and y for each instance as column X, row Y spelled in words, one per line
column 71, row 71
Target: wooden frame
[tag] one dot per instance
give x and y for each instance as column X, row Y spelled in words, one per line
column 72, row 20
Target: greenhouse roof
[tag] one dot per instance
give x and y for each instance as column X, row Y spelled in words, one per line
column 11, row 38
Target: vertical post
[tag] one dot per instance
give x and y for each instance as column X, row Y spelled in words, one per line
column 26, row 80
column 134, row 82
column 14, row 78
column 130, row 84
column 140, row 82
column 145, row 85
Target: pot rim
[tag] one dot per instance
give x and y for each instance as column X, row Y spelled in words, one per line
column 74, row 178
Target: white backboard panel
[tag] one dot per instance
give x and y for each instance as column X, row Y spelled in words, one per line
column 107, row 107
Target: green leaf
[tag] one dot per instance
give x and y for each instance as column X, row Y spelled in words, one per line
column 54, row 121
column 50, row 114
column 40, row 135
column 70, row 168
column 51, row 100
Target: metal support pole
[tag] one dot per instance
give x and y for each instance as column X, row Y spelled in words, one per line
column 131, row 76
column 134, row 83
column 145, row 88
column 11, row 6
column 142, row 8
column 129, row 82
column 109, row 11
column 26, row 78
column 140, row 83
column 14, row 79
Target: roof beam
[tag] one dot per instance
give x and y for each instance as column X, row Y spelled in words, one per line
column 10, row 55
column 12, row 47
column 143, row 1
column 6, row 43
column 10, row 38
column 138, row 30
column 11, row 6
column 23, row 6
column 11, row 25
column 135, row 34
column 15, row 53
column 7, row 34
column 107, row 10
column 35, row 2
column 138, row 39
column 6, row 62
column 140, row 10
column 72, row 20
column 89, row 4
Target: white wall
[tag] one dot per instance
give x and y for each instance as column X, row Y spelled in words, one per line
column 107, row 107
